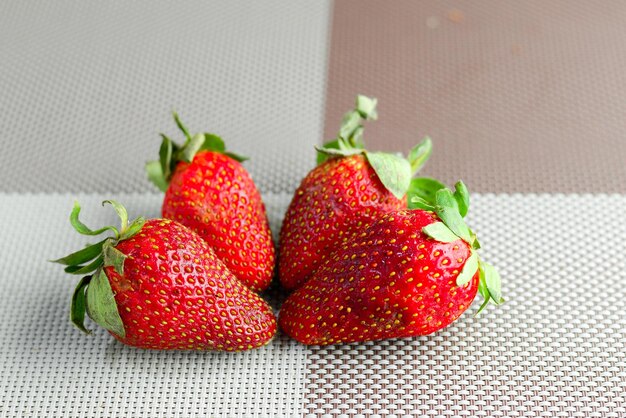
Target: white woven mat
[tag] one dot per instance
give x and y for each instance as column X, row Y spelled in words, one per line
column 556, row 348
column 47, row 368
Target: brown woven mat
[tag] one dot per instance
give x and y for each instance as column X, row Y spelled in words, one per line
column 517, row 96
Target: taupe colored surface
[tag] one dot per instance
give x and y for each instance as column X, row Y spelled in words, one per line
column 518, row 96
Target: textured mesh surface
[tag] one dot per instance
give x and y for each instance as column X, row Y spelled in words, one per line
column 557, row 348
column 86, row 87
column 518, row 96
column 48, row 368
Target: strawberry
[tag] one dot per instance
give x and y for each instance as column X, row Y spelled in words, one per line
column 208, row 190
column 411, row 273
column 156, row 284
column 347, row 191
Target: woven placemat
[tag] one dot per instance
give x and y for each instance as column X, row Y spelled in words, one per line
column 87, row 87
column 518, row 96
column 557, row 348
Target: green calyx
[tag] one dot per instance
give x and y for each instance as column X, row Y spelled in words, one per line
column 451, row 207
column 170, row 154
column 394, row 171
column 93, row 294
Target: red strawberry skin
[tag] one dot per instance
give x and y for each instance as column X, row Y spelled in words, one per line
column 334, row 202
column 175, row 294
column 215, row 196
column 391, row 281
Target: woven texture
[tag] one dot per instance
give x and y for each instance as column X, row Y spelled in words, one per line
column 518, row 96
column 48, row 368
column 557, row 348
column 87, row 86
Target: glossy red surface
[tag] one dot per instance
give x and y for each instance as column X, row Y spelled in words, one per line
column 390, row 281
column 176, row 294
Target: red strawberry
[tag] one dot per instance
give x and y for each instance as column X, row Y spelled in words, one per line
column 412, row 272
column 156, row 284
column 341, row 196
column 209, row 191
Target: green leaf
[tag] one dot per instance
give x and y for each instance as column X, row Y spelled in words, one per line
column 366, row 107
column 339, row 152
column 121, row 212
column 81, row 228
column 101, row 305
column 482, row 289
column 461, row 194
column 192, row 147
column 482, row 306
column 356, row 139
column 165, row 156
column 425, row 188
column 159, row 172
column 492, row 282
column 236, row 157
column 448, row 210
column 394, row 172
column 349, row 123
column 440, row 232
column 155, row 175
column 420, row 154
column 182, row 127
column 419, row 203
column 343, row 145
column 469, row 270
column 74, row 269
column 134, row 227
column 77, row 307
column 323, row 156
column 475, row 243
column 82, row 256
column 213, row 142
column 482, row 285
column 114, row 257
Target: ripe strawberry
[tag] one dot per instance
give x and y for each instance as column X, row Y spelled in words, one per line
column 208, row 190
column 156, row 284
column 412, row 272
column 340, row 197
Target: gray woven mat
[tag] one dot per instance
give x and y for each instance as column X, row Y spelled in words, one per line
column 556, row 348
column 87, row 86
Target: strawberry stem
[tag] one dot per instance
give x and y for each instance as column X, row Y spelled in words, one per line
column 93, row 293
column 100, row 254
column 420, row 154
column 451, row 208
column 170, row 154
column 394, row 171
column 181, row 126
column 81, row 228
